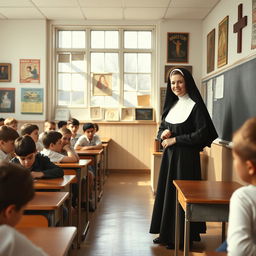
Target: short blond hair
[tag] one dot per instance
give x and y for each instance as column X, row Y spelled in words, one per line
column 10, row 121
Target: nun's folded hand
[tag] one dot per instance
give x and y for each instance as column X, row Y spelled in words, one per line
column 166, row 134
column 168, row 142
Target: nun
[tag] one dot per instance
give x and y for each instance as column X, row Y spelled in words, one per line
column 186, row 128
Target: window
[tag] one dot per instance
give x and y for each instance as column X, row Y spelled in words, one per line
column 106, row 68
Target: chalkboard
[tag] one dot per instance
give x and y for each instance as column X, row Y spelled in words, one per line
column 238, row 102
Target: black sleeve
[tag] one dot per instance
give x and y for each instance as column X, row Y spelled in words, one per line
column 49, row 169
column 163, row 126
column 200, row 133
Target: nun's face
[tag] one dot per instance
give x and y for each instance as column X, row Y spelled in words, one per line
column 178, row 85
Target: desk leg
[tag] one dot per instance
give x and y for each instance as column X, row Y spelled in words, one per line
column 186, row 235
column 79, row 179
column 96, row 181
column 223, row 232
column 177, row 226
column 87, row 206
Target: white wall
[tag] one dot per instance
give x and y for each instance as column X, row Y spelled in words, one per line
column 230, row 8
column 23, row 39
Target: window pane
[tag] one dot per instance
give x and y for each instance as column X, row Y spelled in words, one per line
column 97, row 101
column 111, row 62
column 78, row 64
column 63, row 63
column 144, row 40
column 130, row 62
column 130, row 99
column 130, row 82
column 97, row 62
column 78, row 39
column 111, row 39
column 112, row 100
column 115, row 82
column 144, row 62
column 78, row 83
column 64, row 39
column 144, row 82
column 97, row 39
column 130, row 39
column 77, row 98
column 63, row 98
column 64, row 82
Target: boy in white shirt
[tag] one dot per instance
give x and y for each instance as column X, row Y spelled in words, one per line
column 48, row 126
column 73, row 126
column 16, row 191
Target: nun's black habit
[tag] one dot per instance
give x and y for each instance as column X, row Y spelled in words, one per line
column 180, row 161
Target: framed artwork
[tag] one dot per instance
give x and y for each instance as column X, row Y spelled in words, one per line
column 210, row 51
column 253, row 43
column 62, row 114
column 162, row 99
column 102, row 84
column 145, row 114
column 96, row 113
column 169, row 68
column 177, row 47
column 127, row 114
column 7, row 100
column 29, row 71
column 223, row 42
column 32, row 100
column 5, row 72
column 112, row 114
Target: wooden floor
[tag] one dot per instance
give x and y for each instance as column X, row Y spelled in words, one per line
column 121, row 223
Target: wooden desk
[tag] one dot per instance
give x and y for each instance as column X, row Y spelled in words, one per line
column 55, row 241
column 50, row 203
column 105, row 139
column 81, row 171
column 201, row 201
column 96, row 156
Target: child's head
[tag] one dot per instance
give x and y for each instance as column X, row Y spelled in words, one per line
column 49, row 126
column 12, row 122
column 16, row 190
column 52, row 141
column 62, row 124
column 73, row 125
column 7, row 137
column 96, row 126
column 25, row 150
column 244, row 151
column 31, row 130
column 89, row 130
column 1, row 121
column 66, row 136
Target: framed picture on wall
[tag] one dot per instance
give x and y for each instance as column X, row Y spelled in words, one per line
column 144, row 114
column 102, row 84
column 112, row 114
column 177, row 47
column 127, row 114
column 7, row 100
column 210, row 51
column 223, row 42
column 96, row 113
column 32, row 100
column 169, row 68
column 5, row 72
column 29, row 71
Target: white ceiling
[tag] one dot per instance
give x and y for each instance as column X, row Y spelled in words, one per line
column 105, row 9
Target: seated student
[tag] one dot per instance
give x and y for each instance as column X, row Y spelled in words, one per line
column 39, row 165
column 1, row 121
column 32, row 131
column 53, row 148
column 241, row 237
column 12, row 204
column 62, row 124
column 73, row 126
column 48, row 126
column 7, row 137
column 89, row 140
column 11, row 122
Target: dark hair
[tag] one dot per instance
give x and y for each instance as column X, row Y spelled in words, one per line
column 16, row 185
column 51, row 137
column 87, row 126
column 61, row 123
column 28, row 129
column 2, row 119
column 8, row 133
column 96, row 126
column 73, row 121
column 24, row 146
column 64, row 131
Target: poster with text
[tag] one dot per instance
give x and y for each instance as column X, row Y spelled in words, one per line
column 29, row 71
column 32, row 100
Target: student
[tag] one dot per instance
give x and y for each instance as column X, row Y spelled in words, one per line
column 48, row 126
column 241, row 236
column 11, row 122
column 1, row 121
column 12, row 204
column 73, row 126
column 62, row 124
column 89, row 140
column 53, row 148
column 7, row 137
column 32, row 131
column 39, row 165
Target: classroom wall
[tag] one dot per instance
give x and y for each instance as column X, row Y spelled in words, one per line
column 23, row 39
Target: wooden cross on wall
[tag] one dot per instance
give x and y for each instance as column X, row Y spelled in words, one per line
column 237, row 28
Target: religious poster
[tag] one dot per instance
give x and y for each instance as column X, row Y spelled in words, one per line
column 32, row 100
column 210, row 51
column 169, row 68
column 5, row 72
column 253, row 24
column 29, row 71
column 177, row 47
column 7, row 100
column 223, row 42
column 102, row 84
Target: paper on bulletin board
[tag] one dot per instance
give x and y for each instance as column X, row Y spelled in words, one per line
column 32, row 100
column 209, row 101
column 219, row 87
column 143, row 100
